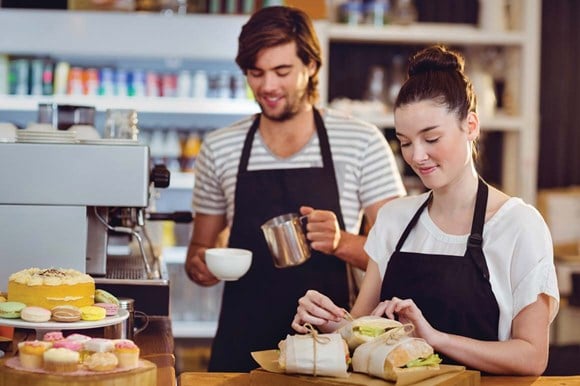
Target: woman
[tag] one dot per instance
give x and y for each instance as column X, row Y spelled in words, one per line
column 471, row 267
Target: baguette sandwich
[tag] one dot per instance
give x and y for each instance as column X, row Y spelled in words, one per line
column 388, row 358
column 366, row 329
column 314, row 354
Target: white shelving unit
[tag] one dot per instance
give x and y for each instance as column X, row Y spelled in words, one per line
column 522, row 47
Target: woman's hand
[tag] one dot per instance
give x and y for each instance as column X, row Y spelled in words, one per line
column 318, row 310
column 196, row 268
column 323, row 230
column 407, row 312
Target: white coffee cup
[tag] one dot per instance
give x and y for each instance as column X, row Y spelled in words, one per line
column 228, row 263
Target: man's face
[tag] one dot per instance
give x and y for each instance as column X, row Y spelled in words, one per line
column 279, row 81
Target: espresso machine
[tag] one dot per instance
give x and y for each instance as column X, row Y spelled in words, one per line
column 62, row 205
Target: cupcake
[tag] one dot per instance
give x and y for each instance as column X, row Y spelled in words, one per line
column 53, row 336
column 70, row 344
column 61, row 360
column 99, row 345
column 101, row 361
column 78, row 337
column 31, row 353
column 127, row 353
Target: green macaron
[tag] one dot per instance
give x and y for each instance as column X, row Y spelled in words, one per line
column 11, row 310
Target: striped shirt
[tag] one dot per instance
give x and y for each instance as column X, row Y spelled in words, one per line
column 365, row 166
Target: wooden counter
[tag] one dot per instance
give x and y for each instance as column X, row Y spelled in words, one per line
column 529, row 381
column 243, row 379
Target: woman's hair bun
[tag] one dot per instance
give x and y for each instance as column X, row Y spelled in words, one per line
column 435, row 58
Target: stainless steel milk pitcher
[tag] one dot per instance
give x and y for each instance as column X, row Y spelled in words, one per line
column 286, row 238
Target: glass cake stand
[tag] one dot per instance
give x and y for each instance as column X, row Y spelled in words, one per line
column 44, row 327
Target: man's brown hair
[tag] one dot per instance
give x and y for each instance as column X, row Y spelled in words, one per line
column 274, row 26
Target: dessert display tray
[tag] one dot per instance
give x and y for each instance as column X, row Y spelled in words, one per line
column 144, row 375
column 80, row 325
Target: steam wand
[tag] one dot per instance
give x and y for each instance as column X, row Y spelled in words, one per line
column 137, row 236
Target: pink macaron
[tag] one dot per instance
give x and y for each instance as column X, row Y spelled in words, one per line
column 110, row 308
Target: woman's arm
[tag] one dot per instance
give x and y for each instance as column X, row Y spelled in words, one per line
column 526, row 353
column 320, row 311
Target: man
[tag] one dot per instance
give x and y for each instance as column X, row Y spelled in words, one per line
column 289, row 158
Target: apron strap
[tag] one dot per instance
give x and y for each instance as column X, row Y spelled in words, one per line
column 327, row 158
column 412, row 223
column 475, row 240
column 247, row 149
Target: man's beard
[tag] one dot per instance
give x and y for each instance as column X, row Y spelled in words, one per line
column 289, row 112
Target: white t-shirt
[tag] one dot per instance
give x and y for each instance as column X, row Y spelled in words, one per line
column 516, row 243
column 365, row 167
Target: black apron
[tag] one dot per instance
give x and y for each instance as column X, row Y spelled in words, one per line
column 257, row 310
column 453, row 292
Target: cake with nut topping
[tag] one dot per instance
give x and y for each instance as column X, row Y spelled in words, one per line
column 51, row 287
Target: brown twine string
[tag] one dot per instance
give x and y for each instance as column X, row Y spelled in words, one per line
column 347, row 316
column 395, row 334
column 316, row 338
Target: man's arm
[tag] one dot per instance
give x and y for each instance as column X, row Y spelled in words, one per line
column 206, row 231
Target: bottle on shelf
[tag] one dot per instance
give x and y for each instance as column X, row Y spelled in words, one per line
column 404, row 12
column 189, row 151
column 4, row 70
column 397, row 78
column 377, row 12
column 107, row 84
column 172, row 151
column 376, row 85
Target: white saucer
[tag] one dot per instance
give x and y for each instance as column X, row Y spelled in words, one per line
column 109, row 141
column 46, row 140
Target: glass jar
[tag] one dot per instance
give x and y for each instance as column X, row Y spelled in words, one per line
column 121, row 124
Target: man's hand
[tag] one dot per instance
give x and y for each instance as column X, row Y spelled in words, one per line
column 196, row 268
column 322, row 228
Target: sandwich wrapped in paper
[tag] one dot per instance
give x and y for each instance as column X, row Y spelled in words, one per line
column 394, row 353
column 314, row 354
column 365, row 329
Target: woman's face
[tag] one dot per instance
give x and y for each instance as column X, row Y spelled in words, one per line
column 434, row 142
column 279, row 81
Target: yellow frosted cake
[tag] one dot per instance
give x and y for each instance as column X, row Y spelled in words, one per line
column 52, row 287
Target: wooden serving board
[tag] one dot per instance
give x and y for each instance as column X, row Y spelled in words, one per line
column 456, row 378
column 144, row 375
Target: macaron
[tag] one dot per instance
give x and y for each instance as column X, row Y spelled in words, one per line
column 102, row 296
column 66, row 314
column 92, row 313
column 35, row 314
column 110, row 308
column 11, row 310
